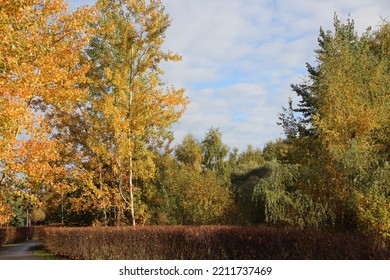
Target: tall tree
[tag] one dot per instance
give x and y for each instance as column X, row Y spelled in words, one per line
column 128, row 108
column 214, row 151
column 189, row 152
column 353, row 110
column 41, row 70
column 338, row 130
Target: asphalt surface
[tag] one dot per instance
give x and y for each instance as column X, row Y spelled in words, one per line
column 19, row 251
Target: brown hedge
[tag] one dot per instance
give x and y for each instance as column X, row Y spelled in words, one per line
column 10, row 235
column 212, row 242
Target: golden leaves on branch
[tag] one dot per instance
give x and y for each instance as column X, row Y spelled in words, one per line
column 41, row 46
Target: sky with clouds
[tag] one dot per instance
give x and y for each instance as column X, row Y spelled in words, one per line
column 240, row 57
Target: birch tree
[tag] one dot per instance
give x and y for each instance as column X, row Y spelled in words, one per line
column 128, row 107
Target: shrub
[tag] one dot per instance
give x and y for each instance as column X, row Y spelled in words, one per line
column 194, row 198
column 210, row 242
column 10, row 235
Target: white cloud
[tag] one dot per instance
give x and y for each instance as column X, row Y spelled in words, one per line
column 241, row 111
column 240, row 56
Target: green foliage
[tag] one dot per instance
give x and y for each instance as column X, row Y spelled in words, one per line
column 189, row 152
column 338, row 134
column 246, row 161
column 214, row 151
column 192, row 197
column 235, row 167
column 19, row 217
column 244, row 184
column 251, row 156
column 371, row 189
column 283, row 203
column 276, row 150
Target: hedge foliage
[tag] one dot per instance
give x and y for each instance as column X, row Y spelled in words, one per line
column 211, row 242
column 10, row 235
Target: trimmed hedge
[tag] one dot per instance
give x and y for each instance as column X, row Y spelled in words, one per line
column 211, row 242
column 10, row 235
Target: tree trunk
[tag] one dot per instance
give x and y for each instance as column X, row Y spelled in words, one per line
column 131, row 193
column 129, row 137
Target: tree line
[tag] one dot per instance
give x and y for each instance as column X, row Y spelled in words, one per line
column 85, row 133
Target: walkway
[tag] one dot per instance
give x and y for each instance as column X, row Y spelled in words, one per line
column 19, row 251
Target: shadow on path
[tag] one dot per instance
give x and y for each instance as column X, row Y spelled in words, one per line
column 20, row 251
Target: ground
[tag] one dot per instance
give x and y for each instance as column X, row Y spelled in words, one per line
column 20, row 251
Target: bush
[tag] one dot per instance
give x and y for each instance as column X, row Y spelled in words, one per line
column 193, row 198
column 10, row 235
column 210, row 242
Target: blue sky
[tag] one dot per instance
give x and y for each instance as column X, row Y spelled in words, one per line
column 240, row 57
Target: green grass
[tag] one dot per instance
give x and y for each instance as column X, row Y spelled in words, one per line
column 8, row 245
column 42, row 253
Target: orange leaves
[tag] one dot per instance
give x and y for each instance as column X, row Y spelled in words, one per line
column 42, row 48
column 6, row 211
column 41, row 70
column 37, row 161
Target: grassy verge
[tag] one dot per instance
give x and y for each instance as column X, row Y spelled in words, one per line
column 42, row 253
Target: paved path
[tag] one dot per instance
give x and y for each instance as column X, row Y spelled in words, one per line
column 19, row 251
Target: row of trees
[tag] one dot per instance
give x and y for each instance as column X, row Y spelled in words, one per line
column 195, row 182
